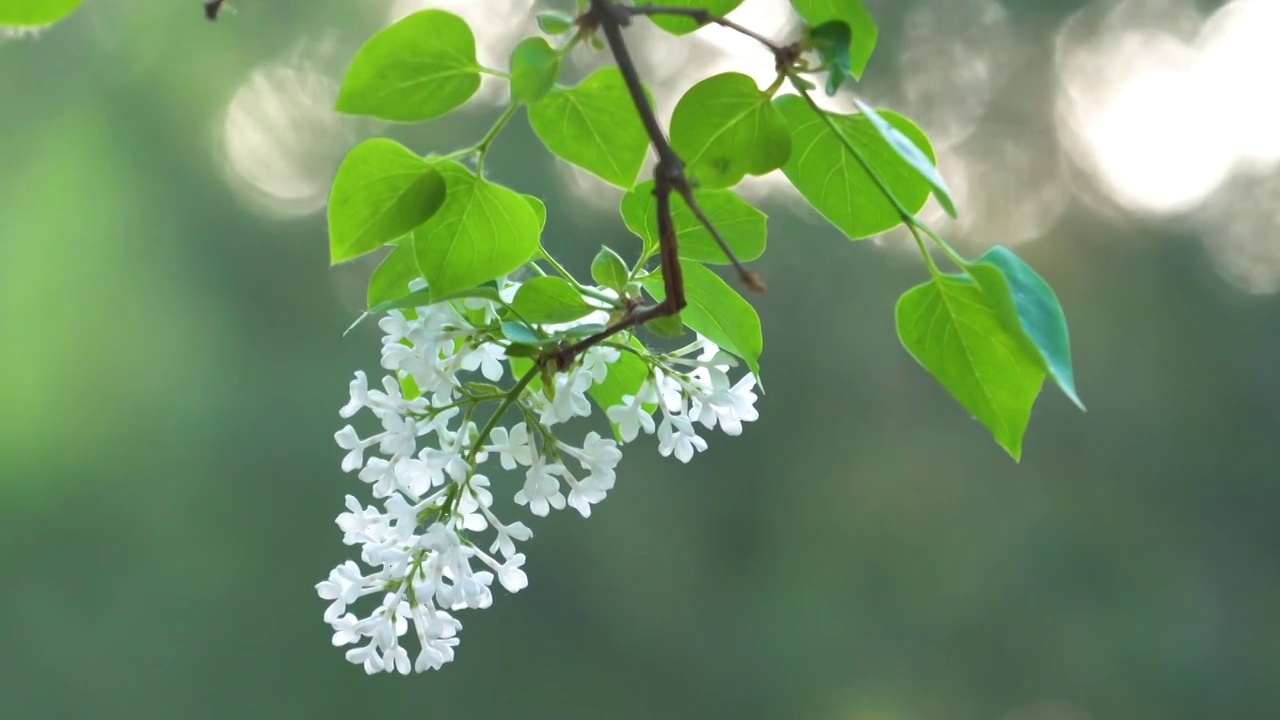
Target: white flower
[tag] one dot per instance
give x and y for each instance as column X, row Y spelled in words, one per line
column 344, row 586
column 487, row 358
column 512, row 447
column 676, row 436
column 541, row 490
column 632, row 416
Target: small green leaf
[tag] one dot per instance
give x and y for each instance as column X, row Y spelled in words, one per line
column 539, row 210
column 578, row 332
column 862, row 26
column 952, row 328
column 518, row 332
column 381, row 192
column 29, row 13
column 831, row 39
column 1032, row 309
column 681, row 25
column 609, row 270
column 391, row 278
column 742, row 226
column 671, row 326
column 549, row 300
column 534, row 69
column 554, row 22
column 482, row 231
column 716, row 311
column 594, row 126
column 725, row 128
column 830, row 176
column 423, row 298
column 909, row 151
column 416, row 69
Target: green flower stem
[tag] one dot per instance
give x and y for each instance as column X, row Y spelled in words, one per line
column 495, row 73
column 559, row 269
column 482, row 148
column 512, row 395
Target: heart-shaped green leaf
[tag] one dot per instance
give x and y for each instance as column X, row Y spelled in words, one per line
column 595, row 126
column 534, row 69
column 29, row 13
column 725, row 128
column 381, row 192
column 953, row 329
column 909, row 151
column 827, row 171
column 416, row 69
column 681, row 25
column 482, row 231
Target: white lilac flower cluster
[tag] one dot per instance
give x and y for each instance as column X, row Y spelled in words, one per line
column 421, row 553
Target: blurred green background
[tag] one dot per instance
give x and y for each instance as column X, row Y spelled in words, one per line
column 172, row 362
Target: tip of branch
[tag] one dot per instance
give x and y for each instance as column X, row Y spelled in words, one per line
column 753, row 280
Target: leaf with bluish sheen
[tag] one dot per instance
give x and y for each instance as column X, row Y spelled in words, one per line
column 391, row 278
column 952, row 328
column 595, row 126
column 716, row 311
column 482, row 231
column 416, row 69
column 862, row 26
column 909, row 151
column 31, row 13
column 742, row 226
column 831, row 39
column 1033, row 310
column 609, row 270
column 832, row 179
column 682, row 25
column 518, row 332
column 381, row 192
column 534, row 69
column 549, row 300
column 725, row 128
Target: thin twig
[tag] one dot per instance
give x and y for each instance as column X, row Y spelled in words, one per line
column 211, row 8
column 704, row 17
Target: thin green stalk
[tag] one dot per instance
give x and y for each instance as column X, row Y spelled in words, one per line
column 559, row 269
column 512, row 395
column 482, row 147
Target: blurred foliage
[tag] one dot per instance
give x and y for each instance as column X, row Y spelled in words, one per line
column 172, row 361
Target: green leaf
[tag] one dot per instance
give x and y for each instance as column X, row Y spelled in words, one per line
column 595, row 126
column 609, row 270
column 549, row 300
column 27, row 13
column 742, row 226
column 423, row 298
column 831, row 39
column 862, row 26
column 518, row 332
column 539, row 210
column 716, row 311
column 391, row 278
column 671, row 326
column 482, row 231
column 832, row 179
column 554, row 22
column 951, row 327
column 1030, row 308
column 381, row 192
column 909, row 151
column 725, row 128
column 416, row 69
column 534, row 69
column 682, row 25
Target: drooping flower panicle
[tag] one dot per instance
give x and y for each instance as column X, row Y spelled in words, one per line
column 422, row 548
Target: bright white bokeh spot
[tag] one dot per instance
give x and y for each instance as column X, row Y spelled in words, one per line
column 1239, row 59
column 281, row 141
column 1161, row 106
